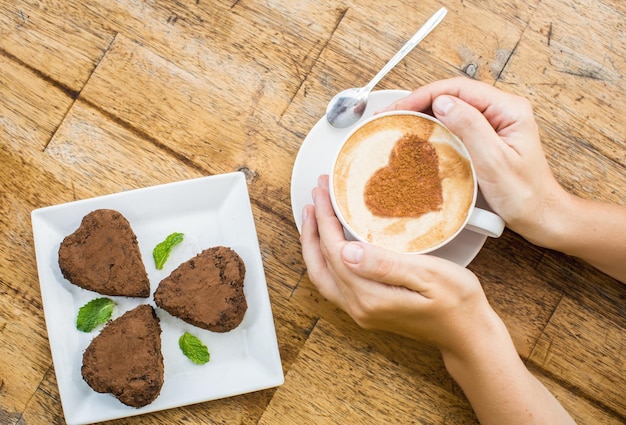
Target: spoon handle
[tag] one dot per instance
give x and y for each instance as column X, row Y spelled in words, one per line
column 413, row 41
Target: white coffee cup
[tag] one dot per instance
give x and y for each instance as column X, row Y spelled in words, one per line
column 364, row 164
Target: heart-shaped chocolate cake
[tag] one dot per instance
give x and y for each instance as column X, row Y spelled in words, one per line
column 207, row 290
column 103, row 255
column 409, row 186
column 125, row 358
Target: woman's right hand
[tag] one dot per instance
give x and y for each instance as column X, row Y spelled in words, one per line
column 502, row 137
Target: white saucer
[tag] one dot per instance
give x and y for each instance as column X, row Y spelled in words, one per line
column 316, row 157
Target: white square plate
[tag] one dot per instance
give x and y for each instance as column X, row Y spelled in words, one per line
column 210, row 211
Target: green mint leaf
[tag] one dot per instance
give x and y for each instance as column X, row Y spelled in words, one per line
column 194, row 349
column 162, row 251
column 94, row 313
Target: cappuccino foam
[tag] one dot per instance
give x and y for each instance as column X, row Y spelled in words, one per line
column 401, row 182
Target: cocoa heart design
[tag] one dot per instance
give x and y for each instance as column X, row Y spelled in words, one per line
column 409, row 185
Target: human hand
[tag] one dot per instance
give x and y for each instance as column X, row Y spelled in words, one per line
column 428, row 299
column 502, row 137
column 418, row 296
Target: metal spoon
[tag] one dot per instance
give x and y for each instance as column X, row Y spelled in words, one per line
column 347, row 107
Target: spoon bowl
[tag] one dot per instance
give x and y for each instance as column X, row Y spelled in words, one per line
column 347, row 107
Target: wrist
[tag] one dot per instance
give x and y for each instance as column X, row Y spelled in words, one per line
column 590, row 230
column 493, row 378
column 497, row 383
column 547, row 225
column 485, row 352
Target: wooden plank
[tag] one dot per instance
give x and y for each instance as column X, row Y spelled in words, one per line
column 236, row 44
column 87, row 136
column 588, row 325
column 45, row 402
column 194, row 120
column 574, row 75
column 582, row 409
column 348, row 375
column 180, row 147
column 24, row 346
column 32, row 108
column 368, row 35
column 43, row 36
column 567, row 350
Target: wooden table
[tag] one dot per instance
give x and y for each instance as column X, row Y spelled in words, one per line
column 98, row 97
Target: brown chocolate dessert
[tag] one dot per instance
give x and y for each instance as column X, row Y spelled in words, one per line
column 125, row 359
column 103, row 255
column 206, row 291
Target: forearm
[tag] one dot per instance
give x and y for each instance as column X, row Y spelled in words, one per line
column 592, row 231
column 499, row 386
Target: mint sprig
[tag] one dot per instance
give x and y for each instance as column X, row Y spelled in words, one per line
column 94, row 313
column 162, row 251
column 194, row 349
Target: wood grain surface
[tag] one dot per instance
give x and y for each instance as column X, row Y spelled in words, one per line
column 99, row 97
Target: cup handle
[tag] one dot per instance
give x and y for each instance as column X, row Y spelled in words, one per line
column 486, row 223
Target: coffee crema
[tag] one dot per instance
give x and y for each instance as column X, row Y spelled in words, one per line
column 401, row 182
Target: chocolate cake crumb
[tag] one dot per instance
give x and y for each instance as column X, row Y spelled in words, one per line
column 103, row 255
column 125, row 359
column 206, row 291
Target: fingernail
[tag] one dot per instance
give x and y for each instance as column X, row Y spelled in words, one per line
column 305, row 214
column 442, row 105
column 322, row 181
column 352, row 253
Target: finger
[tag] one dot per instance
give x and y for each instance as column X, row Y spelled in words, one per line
column 309, row 236
column 331, row 230
column 470, row 125
column 482, row 96
column 332, row 239
column 422, row 98
column 310, row 240
column 317, row 267
column 424, row 274
column 381, row 265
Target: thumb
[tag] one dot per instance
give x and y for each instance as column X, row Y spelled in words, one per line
column 415, row 272
column 471, row 126
column 428, row 275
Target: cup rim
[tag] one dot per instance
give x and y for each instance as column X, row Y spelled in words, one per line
column 458, row 145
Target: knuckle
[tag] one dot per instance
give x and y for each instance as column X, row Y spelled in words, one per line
column 365, row 310
column 524, row 103
column 325, row 250
column 382, row 268
column 314, row 277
